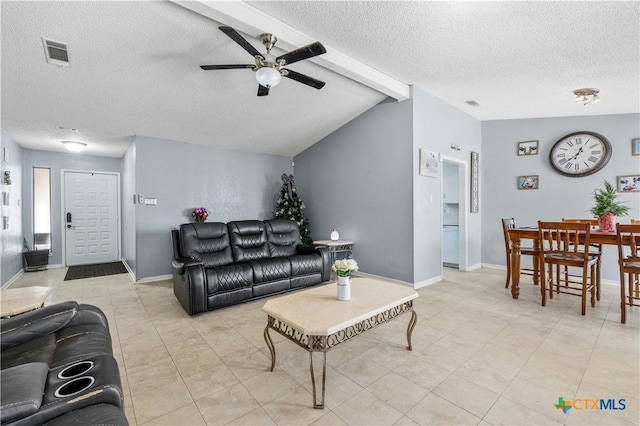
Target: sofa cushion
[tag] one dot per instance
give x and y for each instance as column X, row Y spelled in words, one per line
column 228, row 278
column 265, row 270
column 22, row 389
column 283, row 236
column 248, row 240
column 206, row 242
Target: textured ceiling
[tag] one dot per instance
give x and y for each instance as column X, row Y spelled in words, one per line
column 134, row 68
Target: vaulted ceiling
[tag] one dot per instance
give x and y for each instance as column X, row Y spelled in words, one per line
column 134, row 67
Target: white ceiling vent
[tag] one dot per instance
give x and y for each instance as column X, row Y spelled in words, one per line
column 56, row 53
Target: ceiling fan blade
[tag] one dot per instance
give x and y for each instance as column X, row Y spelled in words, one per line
column 225, row 67
column 304, row 79
column 305, row 52
column 262, row 91
column 235, row 36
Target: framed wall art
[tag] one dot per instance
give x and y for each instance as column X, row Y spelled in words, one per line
column 429, row 163
column 635, row 146
column 528, row 182
column 629, row 183
column 474, row 206
column 528, row 148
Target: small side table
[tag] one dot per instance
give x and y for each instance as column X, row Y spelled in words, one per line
column 335, row 247
column 15, row 301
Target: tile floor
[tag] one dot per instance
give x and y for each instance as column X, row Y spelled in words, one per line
column 479, row 357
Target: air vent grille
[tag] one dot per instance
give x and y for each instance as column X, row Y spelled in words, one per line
column 56, row 53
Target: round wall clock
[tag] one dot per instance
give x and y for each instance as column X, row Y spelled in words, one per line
column 580, row 154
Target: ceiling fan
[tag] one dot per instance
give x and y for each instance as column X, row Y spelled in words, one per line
column 268, row 68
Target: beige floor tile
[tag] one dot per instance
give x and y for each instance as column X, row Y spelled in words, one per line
column 294, row 408
column 365, row 408
column 507, row 412
column 537, row 398
column 210, row 380
column 434, row 410
column 467, row 395
column 226, row 405
column 160, row 401
column 189, row 415
column 470, row 334
column 398, row 391
column 267, row 386
column 405, row 421
column 490, row 377
column 329, row 419
column 362, row 370
column 255, row 417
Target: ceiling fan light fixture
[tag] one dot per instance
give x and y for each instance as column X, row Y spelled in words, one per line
column 268, row 77
column 74, row 146
column 582, row 96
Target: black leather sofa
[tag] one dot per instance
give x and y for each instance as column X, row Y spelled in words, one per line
column 217, row 264
column 58, row 368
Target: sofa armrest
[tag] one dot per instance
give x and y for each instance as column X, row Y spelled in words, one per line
column 323, row 251
column 306, row 249
column 190, row 286
column 22, row 389
column 31, row 325
column 179, row 265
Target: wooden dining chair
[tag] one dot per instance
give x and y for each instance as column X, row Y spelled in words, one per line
column 635, row 221
column 510, row 223
column 596, row 250
column 628, row 238
column 567, row 244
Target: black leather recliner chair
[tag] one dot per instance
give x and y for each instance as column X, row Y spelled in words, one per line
column 217, row 264
column 58, row 368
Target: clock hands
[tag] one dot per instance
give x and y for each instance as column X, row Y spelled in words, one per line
column 576, row 156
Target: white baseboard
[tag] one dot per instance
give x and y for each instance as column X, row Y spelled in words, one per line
column 492, row 266
column 13, row 279
column 473, row 267
column 428, row 282
column 154, row 279
column 379, row 277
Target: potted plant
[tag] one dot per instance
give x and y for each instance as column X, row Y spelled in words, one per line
column 34, row 259
column 607, row 208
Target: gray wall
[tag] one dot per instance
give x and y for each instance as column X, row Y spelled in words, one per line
column 11, row 239
column 436, row 126
column 56, row 161
column 359, row 181
column 559, row 196
column 363, row 180
column 231, row 184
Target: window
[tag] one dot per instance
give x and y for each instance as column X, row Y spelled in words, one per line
column 41, row 208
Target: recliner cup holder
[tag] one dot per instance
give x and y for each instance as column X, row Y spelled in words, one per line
column 75, row 370
column 74, row 386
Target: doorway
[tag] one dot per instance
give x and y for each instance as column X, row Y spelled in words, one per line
column 91, row 217
column 454, row 206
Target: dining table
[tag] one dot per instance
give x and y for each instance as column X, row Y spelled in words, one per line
column 518, row 234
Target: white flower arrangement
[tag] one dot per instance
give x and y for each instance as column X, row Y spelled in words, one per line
column 345, row 267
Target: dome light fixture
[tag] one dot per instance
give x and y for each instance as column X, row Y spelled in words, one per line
column 74, row 146
column 582, row 96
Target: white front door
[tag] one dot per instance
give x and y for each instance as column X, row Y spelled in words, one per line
column 91, row 218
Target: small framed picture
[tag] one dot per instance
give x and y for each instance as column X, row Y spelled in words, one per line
column 630, row 183
column 528, row 148
column 635, row 146
column 528, row 182
column 5, row 154
column 429, row 163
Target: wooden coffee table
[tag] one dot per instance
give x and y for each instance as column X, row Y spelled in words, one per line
column 316, row 321
column 15, row 301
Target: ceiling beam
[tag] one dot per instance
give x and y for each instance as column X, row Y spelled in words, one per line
column 252, row 21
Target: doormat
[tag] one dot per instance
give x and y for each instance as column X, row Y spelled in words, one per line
column 95, row 270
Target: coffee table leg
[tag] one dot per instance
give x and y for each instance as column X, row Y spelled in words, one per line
column 272, row 349
column 411, row 326
column 313, row 379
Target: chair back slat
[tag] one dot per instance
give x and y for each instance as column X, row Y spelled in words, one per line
column 565, row 238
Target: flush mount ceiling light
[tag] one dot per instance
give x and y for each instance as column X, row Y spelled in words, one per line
column 582, row 96
column 74, row 146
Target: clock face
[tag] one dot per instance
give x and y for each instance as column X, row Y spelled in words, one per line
column 580, row 154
